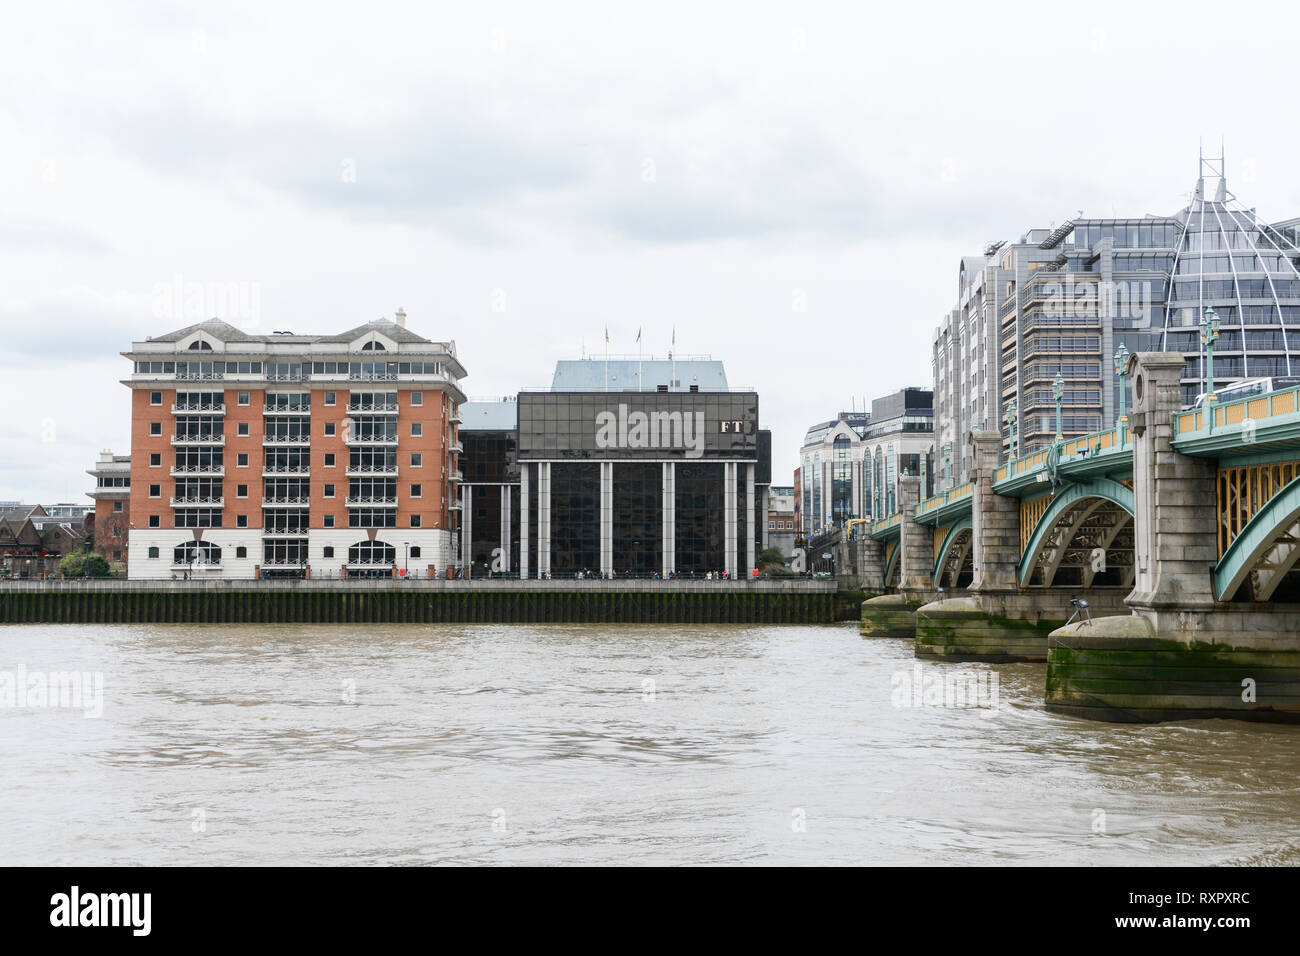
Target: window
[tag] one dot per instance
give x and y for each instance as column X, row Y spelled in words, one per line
column 241, row 551
column 327, row 521
column 415, row 491
column 155, row 398
column 415, row 552
column 330, row 399
column 771, row 526
column 329, row 459
column 329, row 491
column 155, row 491
column 241, row 521
column 242, row 430
column 415, row 521
column 117, row 506
column 242, row 459
column 241, row 491
column 242, row 398
column 417, row 398
column 329, row 428
column 328, row 552
column 153, row 552
column 155, row 428
column 154, row 521
column 415, row 460
column 155, row 460
column 417, row 429
column 117, row 555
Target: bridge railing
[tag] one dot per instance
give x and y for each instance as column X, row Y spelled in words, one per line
column 1105, row 441
column 1255, row 408
column 884, row 524
column 954, row 494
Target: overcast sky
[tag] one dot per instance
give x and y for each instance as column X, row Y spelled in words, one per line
column 791, row 186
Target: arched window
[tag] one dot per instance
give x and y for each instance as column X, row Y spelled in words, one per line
column 197, row 553
column 373, row 347
column 372, row 552
column 198, row 345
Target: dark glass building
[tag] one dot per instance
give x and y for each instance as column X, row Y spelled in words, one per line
column 668, row 478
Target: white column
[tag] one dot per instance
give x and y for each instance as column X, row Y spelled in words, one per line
column 466, row 525
column 749, row 518
column 669, row 518
column 523, row 520
column 505, row 528
column 606, row 517
column 729, row 518
column 544, row 517
column 764, row 508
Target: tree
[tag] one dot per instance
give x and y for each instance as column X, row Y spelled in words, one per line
column 771, row 556
column 82, row 564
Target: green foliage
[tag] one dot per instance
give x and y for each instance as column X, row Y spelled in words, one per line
column 770, row 556
column 82, row 564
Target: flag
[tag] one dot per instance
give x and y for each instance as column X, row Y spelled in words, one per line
column 607, row 334
column 638, row 333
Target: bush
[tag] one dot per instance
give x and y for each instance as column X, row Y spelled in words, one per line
column 82, row 564
column 770, row 556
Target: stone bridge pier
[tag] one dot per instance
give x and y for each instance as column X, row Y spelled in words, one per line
column 1178, row 653
column 997, row 619
column 894, row 615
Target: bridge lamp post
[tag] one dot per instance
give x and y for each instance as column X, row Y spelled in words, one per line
column 1209, row 336
column 1121, row 364
column 1058, row 392
column 1011, row 425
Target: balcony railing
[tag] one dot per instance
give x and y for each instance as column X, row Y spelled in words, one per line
column 372, row 376
column 196, row 565
column 286, row 409
column 215, row 471
column 371, row 501
column 200, row 376
column 354, row 439
column 284, row 532
column 198, row 439
column 287, row 376
column 455, row 476
column 198, row 502
column 302, row 469
column 283, row 562
column 286, row 439
column 456, row 447
column 373, row 408
column 192, row 408
column 292, row 501
column 363, row 471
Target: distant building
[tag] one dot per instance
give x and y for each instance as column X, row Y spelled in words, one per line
column 110, row 524
column 781, row 518
column 849, row 466
column 1063, row 299
column 33, row 542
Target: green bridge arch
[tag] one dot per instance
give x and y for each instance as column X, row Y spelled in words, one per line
column 891, row 566
column 1268, row 547
column 1073, row 499
column 954, row 538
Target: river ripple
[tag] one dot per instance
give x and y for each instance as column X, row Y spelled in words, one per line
column 321, row 744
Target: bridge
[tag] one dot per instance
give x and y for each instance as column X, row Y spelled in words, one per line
column 1179, row 529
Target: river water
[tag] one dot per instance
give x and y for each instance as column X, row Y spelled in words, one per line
column 311, row 744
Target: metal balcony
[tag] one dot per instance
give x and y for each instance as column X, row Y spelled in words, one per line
column 198, row 502
column 367, row 501
column 198, row 471
column 272, row 471
column 205, row 440
column 369, row 471
column 218, row 408
column 284, row 532
column 286, row 409
column 352, row 439
column 373, row 408
column 286, row 439
column 298, row 501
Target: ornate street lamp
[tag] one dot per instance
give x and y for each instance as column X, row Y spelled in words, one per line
column 1058, row 392
column 1121, row 369
column 1011, row 425
column 1209, row 335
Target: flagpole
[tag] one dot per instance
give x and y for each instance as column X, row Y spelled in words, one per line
column 607, row 358
column 640, row 364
